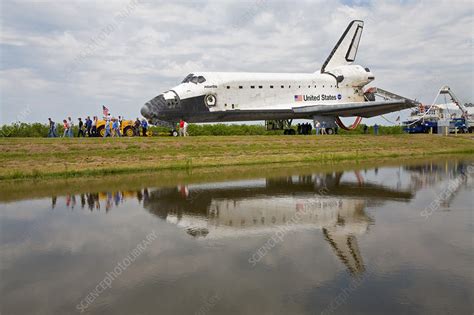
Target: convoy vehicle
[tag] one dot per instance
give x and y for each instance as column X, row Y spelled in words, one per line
column 126, row 128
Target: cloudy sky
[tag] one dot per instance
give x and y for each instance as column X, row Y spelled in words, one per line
column 65, row 57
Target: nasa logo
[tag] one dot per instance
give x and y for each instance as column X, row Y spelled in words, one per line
column 339, row 96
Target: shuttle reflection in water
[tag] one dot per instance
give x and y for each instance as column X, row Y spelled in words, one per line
column 333, row 203
column 235, row 209
column 246, row 208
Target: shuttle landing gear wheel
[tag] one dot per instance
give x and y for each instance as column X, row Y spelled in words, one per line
column 290, row 132
column 174, row 133
column 329, row 131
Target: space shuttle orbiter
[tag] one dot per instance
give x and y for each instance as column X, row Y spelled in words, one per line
column 336, row 90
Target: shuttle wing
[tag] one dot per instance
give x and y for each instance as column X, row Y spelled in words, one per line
column 362, row 109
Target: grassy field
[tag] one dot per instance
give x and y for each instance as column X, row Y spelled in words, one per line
column 33, row 158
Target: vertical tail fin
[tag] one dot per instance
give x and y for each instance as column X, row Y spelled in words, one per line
column 345, row 51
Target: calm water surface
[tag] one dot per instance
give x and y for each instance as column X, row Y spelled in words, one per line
column 388, row 240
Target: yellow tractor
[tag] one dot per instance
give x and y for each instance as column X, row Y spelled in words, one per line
column 126, row 129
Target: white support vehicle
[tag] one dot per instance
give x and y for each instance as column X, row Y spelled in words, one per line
column 452, row 115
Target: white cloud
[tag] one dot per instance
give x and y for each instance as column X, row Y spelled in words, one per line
column 22, row 78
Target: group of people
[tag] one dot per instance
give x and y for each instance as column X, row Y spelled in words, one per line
column 307, row 128
column 304, row 128
column 91, row 127
column 321, row 128
column 376, row 129
column 112, row 126
column 87, row 127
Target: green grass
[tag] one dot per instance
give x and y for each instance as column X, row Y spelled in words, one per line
column 39, row 158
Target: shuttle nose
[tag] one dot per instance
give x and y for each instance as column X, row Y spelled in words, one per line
column 145, row 111
column 160, row 106
column 153, row 108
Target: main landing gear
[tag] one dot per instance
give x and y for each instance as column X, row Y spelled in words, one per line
column 330, row 131
column 285, row 125
column 280, row 124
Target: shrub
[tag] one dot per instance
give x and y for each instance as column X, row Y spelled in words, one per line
column 41, row 130
column 383, row 130
column 24, row 130
column 228, row 130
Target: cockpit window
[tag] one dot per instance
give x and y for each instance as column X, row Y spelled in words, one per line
column 188, row 78
column 194, row 79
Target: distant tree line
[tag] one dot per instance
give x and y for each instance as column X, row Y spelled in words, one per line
column 41, row 130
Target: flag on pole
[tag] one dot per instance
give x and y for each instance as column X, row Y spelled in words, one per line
column 105, row 110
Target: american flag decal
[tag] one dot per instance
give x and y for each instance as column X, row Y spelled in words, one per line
column 298, row 98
